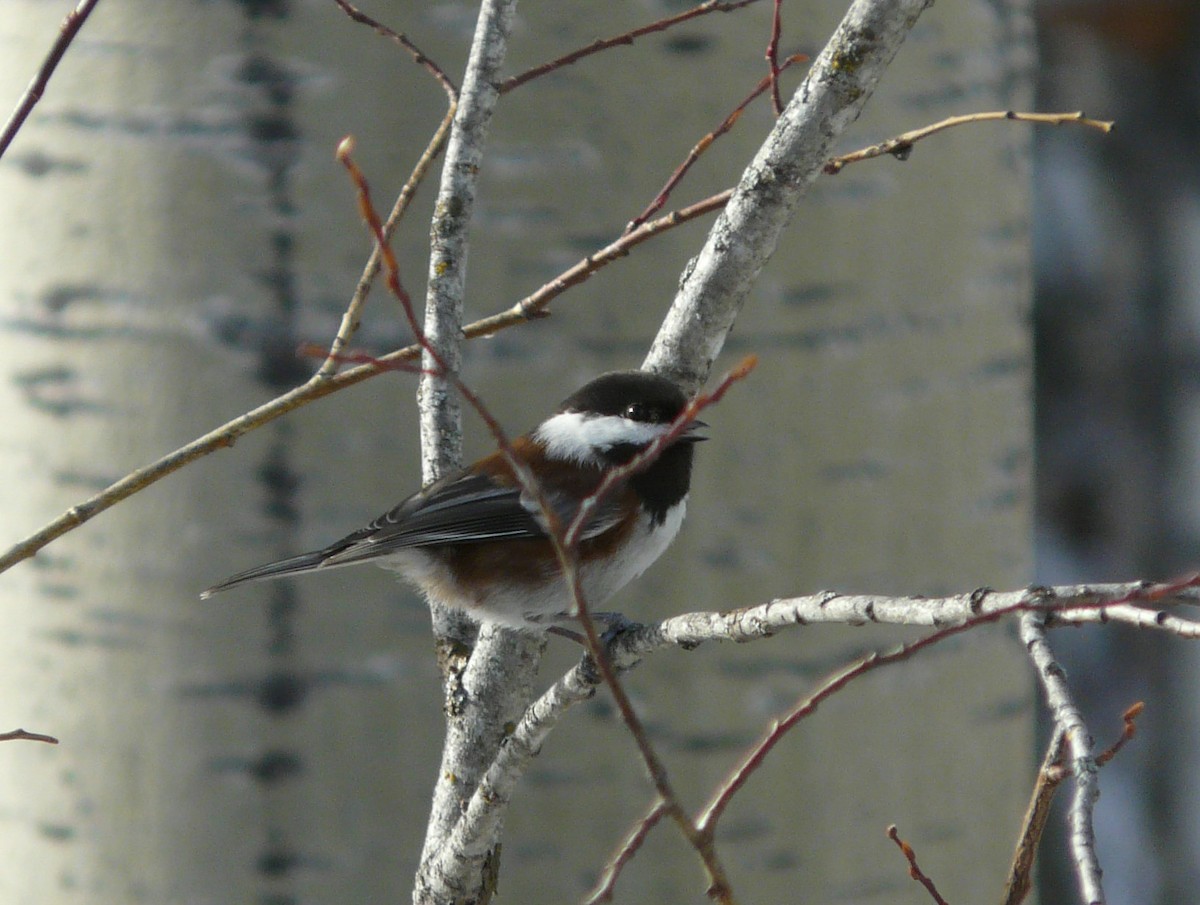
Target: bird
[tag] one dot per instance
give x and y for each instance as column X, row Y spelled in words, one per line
column 477, row 541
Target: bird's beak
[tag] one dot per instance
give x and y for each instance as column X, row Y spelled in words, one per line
column 689, row 433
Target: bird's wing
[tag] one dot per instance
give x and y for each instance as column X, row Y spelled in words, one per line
column 463, row 508
column 466, row 508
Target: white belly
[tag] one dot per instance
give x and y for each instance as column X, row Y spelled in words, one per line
column 517, row 608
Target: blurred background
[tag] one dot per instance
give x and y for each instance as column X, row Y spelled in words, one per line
column 1117, row 316
column 173, row 227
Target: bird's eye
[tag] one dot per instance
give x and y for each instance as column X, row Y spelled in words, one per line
column 638, row 411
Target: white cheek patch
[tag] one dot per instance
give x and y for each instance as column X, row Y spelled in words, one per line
column 576, row 437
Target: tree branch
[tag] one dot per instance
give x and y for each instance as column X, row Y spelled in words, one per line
column 1050, row 776
column 495, row 684
column 625, row 38
column 901, row 146
column 27, row 736
column 950, row 615
column 66, row 34
column 419, row 57
column 1082, row 760
column 326, row 381
column 716, row 283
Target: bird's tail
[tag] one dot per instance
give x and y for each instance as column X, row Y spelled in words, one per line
column 293, row 565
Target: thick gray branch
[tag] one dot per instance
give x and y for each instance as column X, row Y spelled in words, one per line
column 744, row 237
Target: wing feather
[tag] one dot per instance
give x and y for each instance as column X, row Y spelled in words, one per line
column 466, row 508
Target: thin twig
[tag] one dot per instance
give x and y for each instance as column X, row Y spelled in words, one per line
column 703, row 145
column 914, row 869
column 1129, row 615
column 603, row 891
column 1128, row 730
column 1049, row 778
column 566, row 547
column 718, row 280
column 391, row 267
column 773, row 66
column 404, row 41
column 534, row 305
column 353, row 313
column 901, row 146
column 23, row 735
column 758, row 752
column 625, row 38
column 565, row 539
column 480, row 814
column 37, row 86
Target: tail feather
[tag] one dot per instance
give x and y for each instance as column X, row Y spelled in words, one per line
column 293, row 565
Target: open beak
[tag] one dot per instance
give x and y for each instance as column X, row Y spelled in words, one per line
column 689, row 434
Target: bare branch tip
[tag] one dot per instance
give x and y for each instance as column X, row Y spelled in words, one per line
column 745, row 366
column 26, row 735
column 345, row 148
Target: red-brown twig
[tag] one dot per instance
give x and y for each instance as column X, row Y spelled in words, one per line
column 625, row 38
column 565, row 546
column 914, row 869
column 703, row 145
column 603, row 890
column 780, row 727
column 391, row 268
column 773, row 57
column 352, row 316
column 768, row 619
column 1147, row 593
column 404, row 41
column 534, row 305
column 23, row 735
column 1129, row 729
column 66, row 34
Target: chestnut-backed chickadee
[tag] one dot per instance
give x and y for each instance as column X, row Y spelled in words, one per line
column 475, row 541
